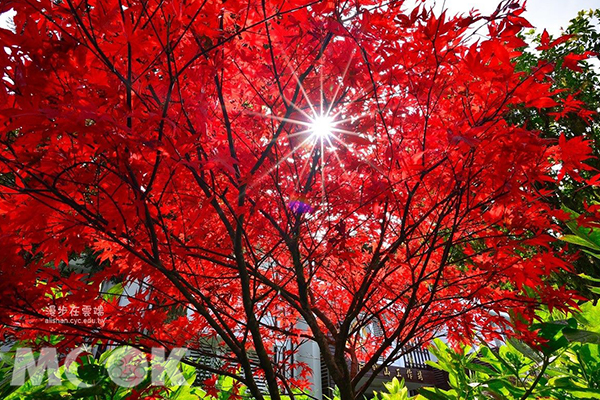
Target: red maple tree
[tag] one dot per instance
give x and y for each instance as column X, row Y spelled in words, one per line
column 269, row 172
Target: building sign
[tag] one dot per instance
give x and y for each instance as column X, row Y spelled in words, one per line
column 415, row 375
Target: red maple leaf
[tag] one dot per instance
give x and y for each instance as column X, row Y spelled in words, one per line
column 571, row 61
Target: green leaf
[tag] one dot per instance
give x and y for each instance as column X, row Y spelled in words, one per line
column 436, row 394
column 91, row 373
column 594, row 289
column 580, row 241
column 562, row 382
column 589, row 316
column 591, row 253
column 114, row 292
column 480, row 368
column 505, row 388
column 581, row 336
column 586, row 393
column 525, row 350
column 589, row 278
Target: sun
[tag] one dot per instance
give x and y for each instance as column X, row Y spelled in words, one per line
column 322, row 127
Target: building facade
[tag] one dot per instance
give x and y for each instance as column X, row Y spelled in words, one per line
column 412, row 367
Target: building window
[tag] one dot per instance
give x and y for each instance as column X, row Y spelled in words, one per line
column 416, row 358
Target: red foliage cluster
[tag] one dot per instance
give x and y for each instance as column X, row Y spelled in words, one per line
column 173, row 138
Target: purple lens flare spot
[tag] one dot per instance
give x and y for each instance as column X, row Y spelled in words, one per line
column 299, row 206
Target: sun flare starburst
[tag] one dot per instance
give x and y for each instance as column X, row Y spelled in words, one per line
column 318, row 131
column 322, row 126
